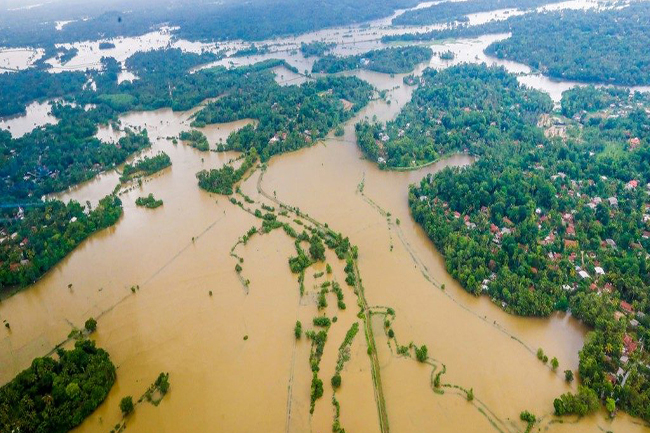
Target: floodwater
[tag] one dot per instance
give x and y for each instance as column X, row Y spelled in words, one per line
column 176, row 254
column 15, row 59
column 179, row 253
column 37, row 114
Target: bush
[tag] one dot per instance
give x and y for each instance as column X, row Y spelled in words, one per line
column 298, row 329
column 421, row 353
column 336, row 381
column 90, row 325
column 126, row 405
column 568, row 375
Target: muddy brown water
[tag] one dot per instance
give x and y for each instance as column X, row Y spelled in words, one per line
column 178, row 253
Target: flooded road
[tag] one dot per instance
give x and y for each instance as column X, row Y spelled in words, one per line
column 220, row 381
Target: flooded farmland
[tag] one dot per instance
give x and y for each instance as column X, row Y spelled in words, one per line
column 229, row 347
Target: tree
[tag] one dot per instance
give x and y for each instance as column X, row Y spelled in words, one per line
column 554, row 363
column 568, row 375
column 610, row 405
column 298, row 329
column 126, row 405
column 336, row 381
column 90, row 325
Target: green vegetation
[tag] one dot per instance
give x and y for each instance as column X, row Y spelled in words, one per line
column 607, row 46
column 91, row 325
column 297, row 330
column 26, row 254
column 457, row 11
column 397, row 60
column 222, row 180
column 106, row 45
column 145, row 166
column 421, row 353
column 252, row 50
column 546, row 221
column 290, row 117
column 462, row 108
column 126, row 405
column 196, row 139
column 316, row 48
column 149, row 202
column 584, row 402
column 72, row 155
column 56, row 395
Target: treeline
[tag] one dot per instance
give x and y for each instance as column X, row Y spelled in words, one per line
column 56, row 395
column 605, row 46
column 468, row 108
column 203, row 20
column 542, row 224
column 289, row 117
column 222, row 180
column 457, row 11
column 145, row 166
column 34, row 241
column 399, row 60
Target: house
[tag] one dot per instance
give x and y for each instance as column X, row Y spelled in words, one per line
column 634, row 323
column 584, row 275
column 627, row 308
column 624, row 359
column 610, row 242
column 618, row 315
column 629, row 345
column 631, row 184
column 599, row 270
column 634, row 142
column 571, row 230
column 613, row 201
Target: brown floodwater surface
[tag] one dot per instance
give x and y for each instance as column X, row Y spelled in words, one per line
column 220, row 382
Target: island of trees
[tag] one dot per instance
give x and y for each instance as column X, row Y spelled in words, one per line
column 399, row 60
column 145, row 166
column 56, row 395
column 317, row 48
column 222, row 180
column 150, row 202
column 196, row 139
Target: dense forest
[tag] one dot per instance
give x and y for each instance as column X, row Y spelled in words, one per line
column 468, row 108
column 289, row 117
column 556, row 221
column 399, row 60
column 457, row 11
column 608, row 46
column 56, row 395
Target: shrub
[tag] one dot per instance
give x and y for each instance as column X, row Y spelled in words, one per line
column 126, row 405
